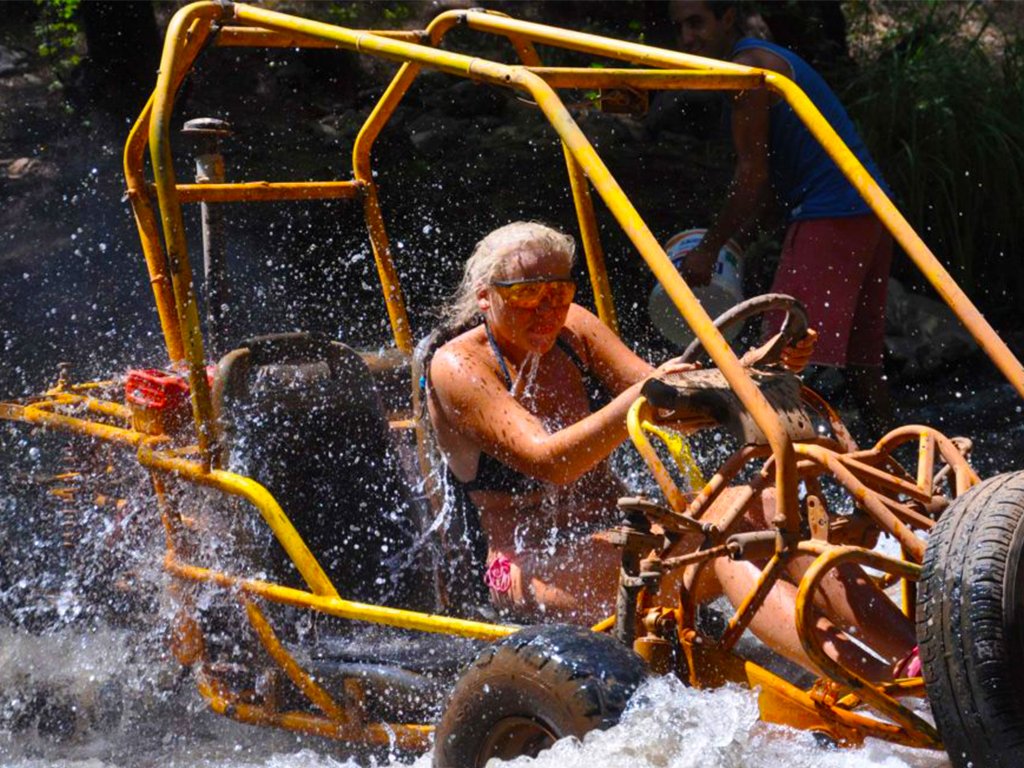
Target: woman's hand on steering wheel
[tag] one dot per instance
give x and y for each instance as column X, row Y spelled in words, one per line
column 675, row 365
column 794, row 357
column 797, row 356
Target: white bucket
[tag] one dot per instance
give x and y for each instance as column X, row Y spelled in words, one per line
column 723, row 292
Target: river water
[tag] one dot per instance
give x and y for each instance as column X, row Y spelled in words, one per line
column 158, row 720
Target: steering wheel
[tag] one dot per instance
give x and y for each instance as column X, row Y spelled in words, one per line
column 794, row 327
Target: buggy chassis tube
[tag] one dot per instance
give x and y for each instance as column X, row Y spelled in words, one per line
column 259, row 497
column 341, row 608
column 414, row 738
column 324, row 596
column 142, row 206
column 924, row 734
column 309, row 687
column 41, row 413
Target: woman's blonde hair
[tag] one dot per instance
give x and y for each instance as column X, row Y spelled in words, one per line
column 487, row 264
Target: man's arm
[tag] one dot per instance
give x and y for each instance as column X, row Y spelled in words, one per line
column 749, row 188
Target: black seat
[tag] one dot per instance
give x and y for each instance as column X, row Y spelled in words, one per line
column 301, row 415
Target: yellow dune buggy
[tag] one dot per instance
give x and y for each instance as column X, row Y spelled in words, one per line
column 293, row 501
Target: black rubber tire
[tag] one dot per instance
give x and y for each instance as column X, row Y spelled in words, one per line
column 970, row 624
column 539, row 685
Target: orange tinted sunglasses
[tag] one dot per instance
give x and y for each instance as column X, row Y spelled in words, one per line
column 529, row 294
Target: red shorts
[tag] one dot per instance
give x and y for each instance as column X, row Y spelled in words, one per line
column 839, row 269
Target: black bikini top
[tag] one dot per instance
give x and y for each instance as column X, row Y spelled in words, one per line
column 492, row 474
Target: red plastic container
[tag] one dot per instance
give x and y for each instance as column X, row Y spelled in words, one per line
column 158, row 399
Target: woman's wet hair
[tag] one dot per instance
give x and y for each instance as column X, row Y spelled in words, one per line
column 489, row 258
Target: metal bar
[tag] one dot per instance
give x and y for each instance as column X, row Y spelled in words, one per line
column 412, row 738
column 40, row 413
column 965, row 476
column 320, row 698
column 904, row 234
column 343, row 609
column 394, row 299
column 592, row 249
column 142, row 206
column 926, row 462
column 589, row 236
column 654, row 79
column 59, row 397
column 833, row 557
column 266, row 191
column 745, row 611
column 173, row 224
column 867, row 498
column 781, row 702
column 874, row 477
column 252, row 37
column 622, row 50
column 722, row 477
column 638, row 412
column 259, row 497
column 906, row 514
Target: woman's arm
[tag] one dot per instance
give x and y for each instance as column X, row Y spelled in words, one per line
column 615, row 364
column 477, row 406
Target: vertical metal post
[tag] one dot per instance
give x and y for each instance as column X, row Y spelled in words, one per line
column 206, row 134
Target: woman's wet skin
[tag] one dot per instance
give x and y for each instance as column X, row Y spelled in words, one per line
column 527, row 331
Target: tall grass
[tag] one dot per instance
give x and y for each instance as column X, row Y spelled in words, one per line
column 941, row 107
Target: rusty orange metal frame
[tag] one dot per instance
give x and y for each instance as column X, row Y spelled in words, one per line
column 922, row 733
column 876, row 492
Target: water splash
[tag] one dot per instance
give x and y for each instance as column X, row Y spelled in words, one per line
column 668, row 725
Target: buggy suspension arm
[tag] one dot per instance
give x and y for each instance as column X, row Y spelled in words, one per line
column 919, row 730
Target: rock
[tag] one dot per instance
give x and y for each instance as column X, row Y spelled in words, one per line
column 923, row 335
column 464, row 98
column 26, row 167
column 12, row 61
column 432, row 133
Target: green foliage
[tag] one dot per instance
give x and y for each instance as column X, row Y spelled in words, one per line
column 941, row 105
column 388, row 13
column 58, row 33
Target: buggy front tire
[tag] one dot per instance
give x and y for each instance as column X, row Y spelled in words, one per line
column 970, row 624
column 521, row 695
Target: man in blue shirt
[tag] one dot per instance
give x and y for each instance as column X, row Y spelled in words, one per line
column 836, row 254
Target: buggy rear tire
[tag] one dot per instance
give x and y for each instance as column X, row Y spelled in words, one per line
column 970, row 624
column 539, row 685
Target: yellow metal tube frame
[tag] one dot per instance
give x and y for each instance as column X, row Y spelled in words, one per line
column 638, row 422
column 573, row 139
column 580, row 157
column 921, row 732
column 339, row 607
column 309, row 687
column 411, row 738
column 248, row 489
column 822, row 131
column 412, row 55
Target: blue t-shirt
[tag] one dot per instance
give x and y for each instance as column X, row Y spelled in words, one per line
column 802, row 174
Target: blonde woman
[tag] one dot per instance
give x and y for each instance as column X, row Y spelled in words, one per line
column 511, row 396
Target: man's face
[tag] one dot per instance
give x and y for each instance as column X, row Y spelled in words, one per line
column 700, row 33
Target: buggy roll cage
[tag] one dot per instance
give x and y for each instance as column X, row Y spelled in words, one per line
column 227, row 24
column 157, row 209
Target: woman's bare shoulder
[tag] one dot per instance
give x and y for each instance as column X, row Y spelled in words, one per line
column 460, row 366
